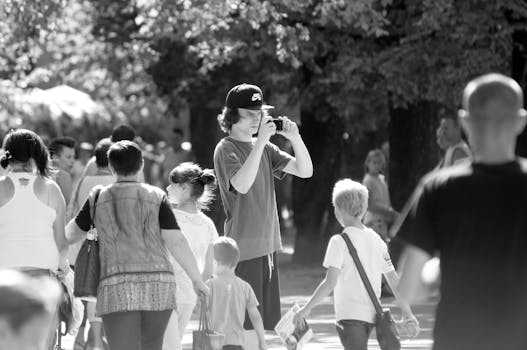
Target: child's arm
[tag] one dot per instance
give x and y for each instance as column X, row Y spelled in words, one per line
column 323, row 290
column 256, row 320
column 209, row 263
column 393, row 281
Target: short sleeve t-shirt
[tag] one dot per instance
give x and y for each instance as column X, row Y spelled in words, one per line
column 167, row 221
column 230, row 296
column 351, row 299
column 251, row 218
column 474, row 216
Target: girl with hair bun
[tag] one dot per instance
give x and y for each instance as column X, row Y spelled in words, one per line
column 190, row 191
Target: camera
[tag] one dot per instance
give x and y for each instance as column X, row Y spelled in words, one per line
column 279, row 124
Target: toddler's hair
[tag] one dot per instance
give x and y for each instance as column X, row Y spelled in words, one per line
column 226, row 251
column 350, row 197
column 376, row 152
column 202, row 182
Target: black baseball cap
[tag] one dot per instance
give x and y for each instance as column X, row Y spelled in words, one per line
column 246, row 96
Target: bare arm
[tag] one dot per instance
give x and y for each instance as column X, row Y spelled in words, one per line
column 244, row 177
column 410, row 286
column 73, row 232
column 58, row 203
column 257, row 322
column 381, row 209
column 323, row 290
column 209, row 263
column 301, row 165
column 393, row 281
column 178, row 246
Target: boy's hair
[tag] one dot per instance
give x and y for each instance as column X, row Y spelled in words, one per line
column 226, row 251
column 125, row 157
column 101, row 152
column 122, row 132
column 58, row 144
column 350, row 197
column 376, row 152
column 201, row 181
column 227, row 118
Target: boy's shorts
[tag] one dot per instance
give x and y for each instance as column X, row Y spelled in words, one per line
column 263, row 278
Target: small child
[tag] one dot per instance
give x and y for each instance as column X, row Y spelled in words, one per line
column 190, row 191
column 380, row 213
column 354, row 310
column 230, row 297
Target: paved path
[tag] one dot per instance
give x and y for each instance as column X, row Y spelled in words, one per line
column 297, row 283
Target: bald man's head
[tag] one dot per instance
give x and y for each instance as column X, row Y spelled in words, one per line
column 492, row 95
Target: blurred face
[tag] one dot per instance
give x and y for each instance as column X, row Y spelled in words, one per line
column 65, row 158
column 375, row 165
column 178, row 193
column 448, row 133
column 31, row 336
column 249, row 120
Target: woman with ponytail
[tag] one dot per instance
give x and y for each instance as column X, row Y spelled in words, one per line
column 190, row 191
column 32, row 208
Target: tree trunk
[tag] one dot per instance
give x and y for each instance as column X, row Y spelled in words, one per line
column 413, row 153
column 313, row 215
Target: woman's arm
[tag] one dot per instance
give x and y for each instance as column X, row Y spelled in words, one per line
column 58, row 203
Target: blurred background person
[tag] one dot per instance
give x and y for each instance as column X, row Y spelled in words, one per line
column 84, row 153
column 62, row 151
column 28, row 308
column 451, row 143
column 380, row 213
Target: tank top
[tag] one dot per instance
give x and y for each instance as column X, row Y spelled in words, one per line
column 26, row 228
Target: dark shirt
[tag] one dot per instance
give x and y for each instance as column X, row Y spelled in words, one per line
column 475, row 217
column 167, row 220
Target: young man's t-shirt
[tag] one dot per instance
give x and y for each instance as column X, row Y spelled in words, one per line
column 251, row 218
column 475, row 217
column 229, row 299
column 351, row 299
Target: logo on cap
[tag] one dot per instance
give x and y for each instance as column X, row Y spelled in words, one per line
column 256, row 97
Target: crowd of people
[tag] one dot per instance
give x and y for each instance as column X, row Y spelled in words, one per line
column 160, row 254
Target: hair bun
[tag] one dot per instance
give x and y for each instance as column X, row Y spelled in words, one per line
column 207, row 177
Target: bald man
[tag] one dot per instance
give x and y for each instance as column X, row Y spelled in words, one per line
column 474, row 215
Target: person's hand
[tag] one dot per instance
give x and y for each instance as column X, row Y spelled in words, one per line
column 300, row 317
column 201, row 288
column 289, row 128
column 267, row 128
column 409, row 327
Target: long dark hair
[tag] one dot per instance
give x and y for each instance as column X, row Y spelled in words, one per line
column 202, row 182
column 22, row 146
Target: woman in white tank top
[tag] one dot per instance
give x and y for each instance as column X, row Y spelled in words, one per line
column 32, row 209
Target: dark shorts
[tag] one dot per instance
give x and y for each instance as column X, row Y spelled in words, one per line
column 354, row 334
column 266, row 288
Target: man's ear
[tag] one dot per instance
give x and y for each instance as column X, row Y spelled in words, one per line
column 462, row 117
column 522, row 120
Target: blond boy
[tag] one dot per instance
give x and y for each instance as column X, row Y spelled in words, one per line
column 354, row 310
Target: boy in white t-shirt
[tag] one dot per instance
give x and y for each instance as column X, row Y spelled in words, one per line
column 354, row 310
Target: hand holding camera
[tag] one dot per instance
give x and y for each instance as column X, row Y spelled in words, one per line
column 286, row 127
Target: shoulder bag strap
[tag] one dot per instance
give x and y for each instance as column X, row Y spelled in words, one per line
column 362, row 273
column 93, row 207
